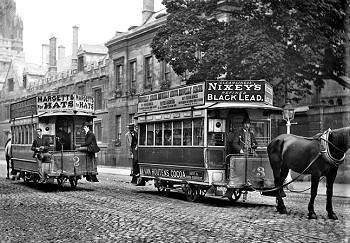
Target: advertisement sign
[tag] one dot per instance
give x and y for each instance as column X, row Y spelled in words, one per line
column 23, row 108
column 65, row 102
column 173, row 173
column 172, row 99
column 255, row 91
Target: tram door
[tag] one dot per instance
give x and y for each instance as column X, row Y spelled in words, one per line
column 64, row 128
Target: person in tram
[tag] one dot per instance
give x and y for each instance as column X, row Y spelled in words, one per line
column 40, row 147
column 131, row 143
column 62, row 138
column 90, row 147
column 244, row 140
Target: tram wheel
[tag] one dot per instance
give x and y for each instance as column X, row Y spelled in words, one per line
column 236, row 194
column 192, row 193
column 60, row 181
column 73, row 182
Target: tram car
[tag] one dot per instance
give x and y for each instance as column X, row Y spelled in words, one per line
column 60, row 117
column 185, row 138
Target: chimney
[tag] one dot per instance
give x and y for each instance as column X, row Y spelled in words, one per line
column 44, row 54
column 52, row 55
column 148, row 10
column 61, row 52
column 75, row 47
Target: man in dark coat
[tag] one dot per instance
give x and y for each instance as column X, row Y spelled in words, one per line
column 131, row 143
column 244, row 140
column 40, row 147
column 91, row 149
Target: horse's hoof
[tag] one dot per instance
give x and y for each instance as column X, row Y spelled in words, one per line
column 333, row 216
column 312, row 215
column 282, row 210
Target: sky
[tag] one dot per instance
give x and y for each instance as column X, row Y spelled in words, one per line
column 98, row 20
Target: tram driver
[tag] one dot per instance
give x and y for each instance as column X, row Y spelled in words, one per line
column 40, row 147
column 244, row 140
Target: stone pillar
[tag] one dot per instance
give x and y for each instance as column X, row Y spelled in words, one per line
column 61, row 52
column 75, row 47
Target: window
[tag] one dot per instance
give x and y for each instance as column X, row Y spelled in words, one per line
column 198, row 132
column 10, row 84
column 158, row 133
column 177, row 133
column 261, row 132
column 98, row 130
column 150, row 134
column 187, row 133
column 148, row 72
column 168, row 133
column 119, row 71
column 118, row 128
column 80, row 63
column 24, row 81
column 81, row 90
column 142, row 134
column 7, row 111
column 131, row 118
column 98, row 98
column 166, row 71
column 133, row 75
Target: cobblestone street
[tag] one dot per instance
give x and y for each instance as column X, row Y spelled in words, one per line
column 114, row 210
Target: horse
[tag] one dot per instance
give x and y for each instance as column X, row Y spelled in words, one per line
column 319, row 156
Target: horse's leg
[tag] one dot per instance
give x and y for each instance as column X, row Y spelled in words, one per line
column 314, row 186
column 330, row 180
column 279, row 180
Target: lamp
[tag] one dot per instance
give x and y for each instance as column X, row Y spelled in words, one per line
column 288, row 115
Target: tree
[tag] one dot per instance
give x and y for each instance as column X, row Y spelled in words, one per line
column 290, row 43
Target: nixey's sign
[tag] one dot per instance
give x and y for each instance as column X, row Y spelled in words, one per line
column 192, row 95
column 65, row 102
column 256, row 91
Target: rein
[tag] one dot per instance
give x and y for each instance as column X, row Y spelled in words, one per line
column 286, row 184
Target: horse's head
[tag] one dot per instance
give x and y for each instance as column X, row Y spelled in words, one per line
column 340, row 138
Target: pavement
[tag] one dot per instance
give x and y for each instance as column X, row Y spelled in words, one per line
column 339, row 190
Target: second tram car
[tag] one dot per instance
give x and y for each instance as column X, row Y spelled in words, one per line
column 184, row 133
column 60, row 117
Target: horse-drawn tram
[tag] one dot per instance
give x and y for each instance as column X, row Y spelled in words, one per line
column 192, row 137
column 59, row 117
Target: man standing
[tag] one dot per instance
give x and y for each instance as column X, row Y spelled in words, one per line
column 91, row 149
column 244, row 141
column 40, row 147
column 131, row 143
column 8, row 155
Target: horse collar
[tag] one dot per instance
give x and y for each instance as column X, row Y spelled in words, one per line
column 326, row 152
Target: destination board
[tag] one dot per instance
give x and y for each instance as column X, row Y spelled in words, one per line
column 192, row 95
column 23, row 108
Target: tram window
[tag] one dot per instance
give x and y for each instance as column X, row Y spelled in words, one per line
column 187, row 132
column 158, row 133
column 261, row 132
column 142, row 134
column 216, row 139
column 177, row 130
column 167, row 133
column 150, row 134
column 30, row 134
column 198, row 132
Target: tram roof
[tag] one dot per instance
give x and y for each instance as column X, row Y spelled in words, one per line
column 244, row 105
column 65, row 113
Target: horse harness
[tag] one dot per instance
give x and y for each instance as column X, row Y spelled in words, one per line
column 324, row 149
